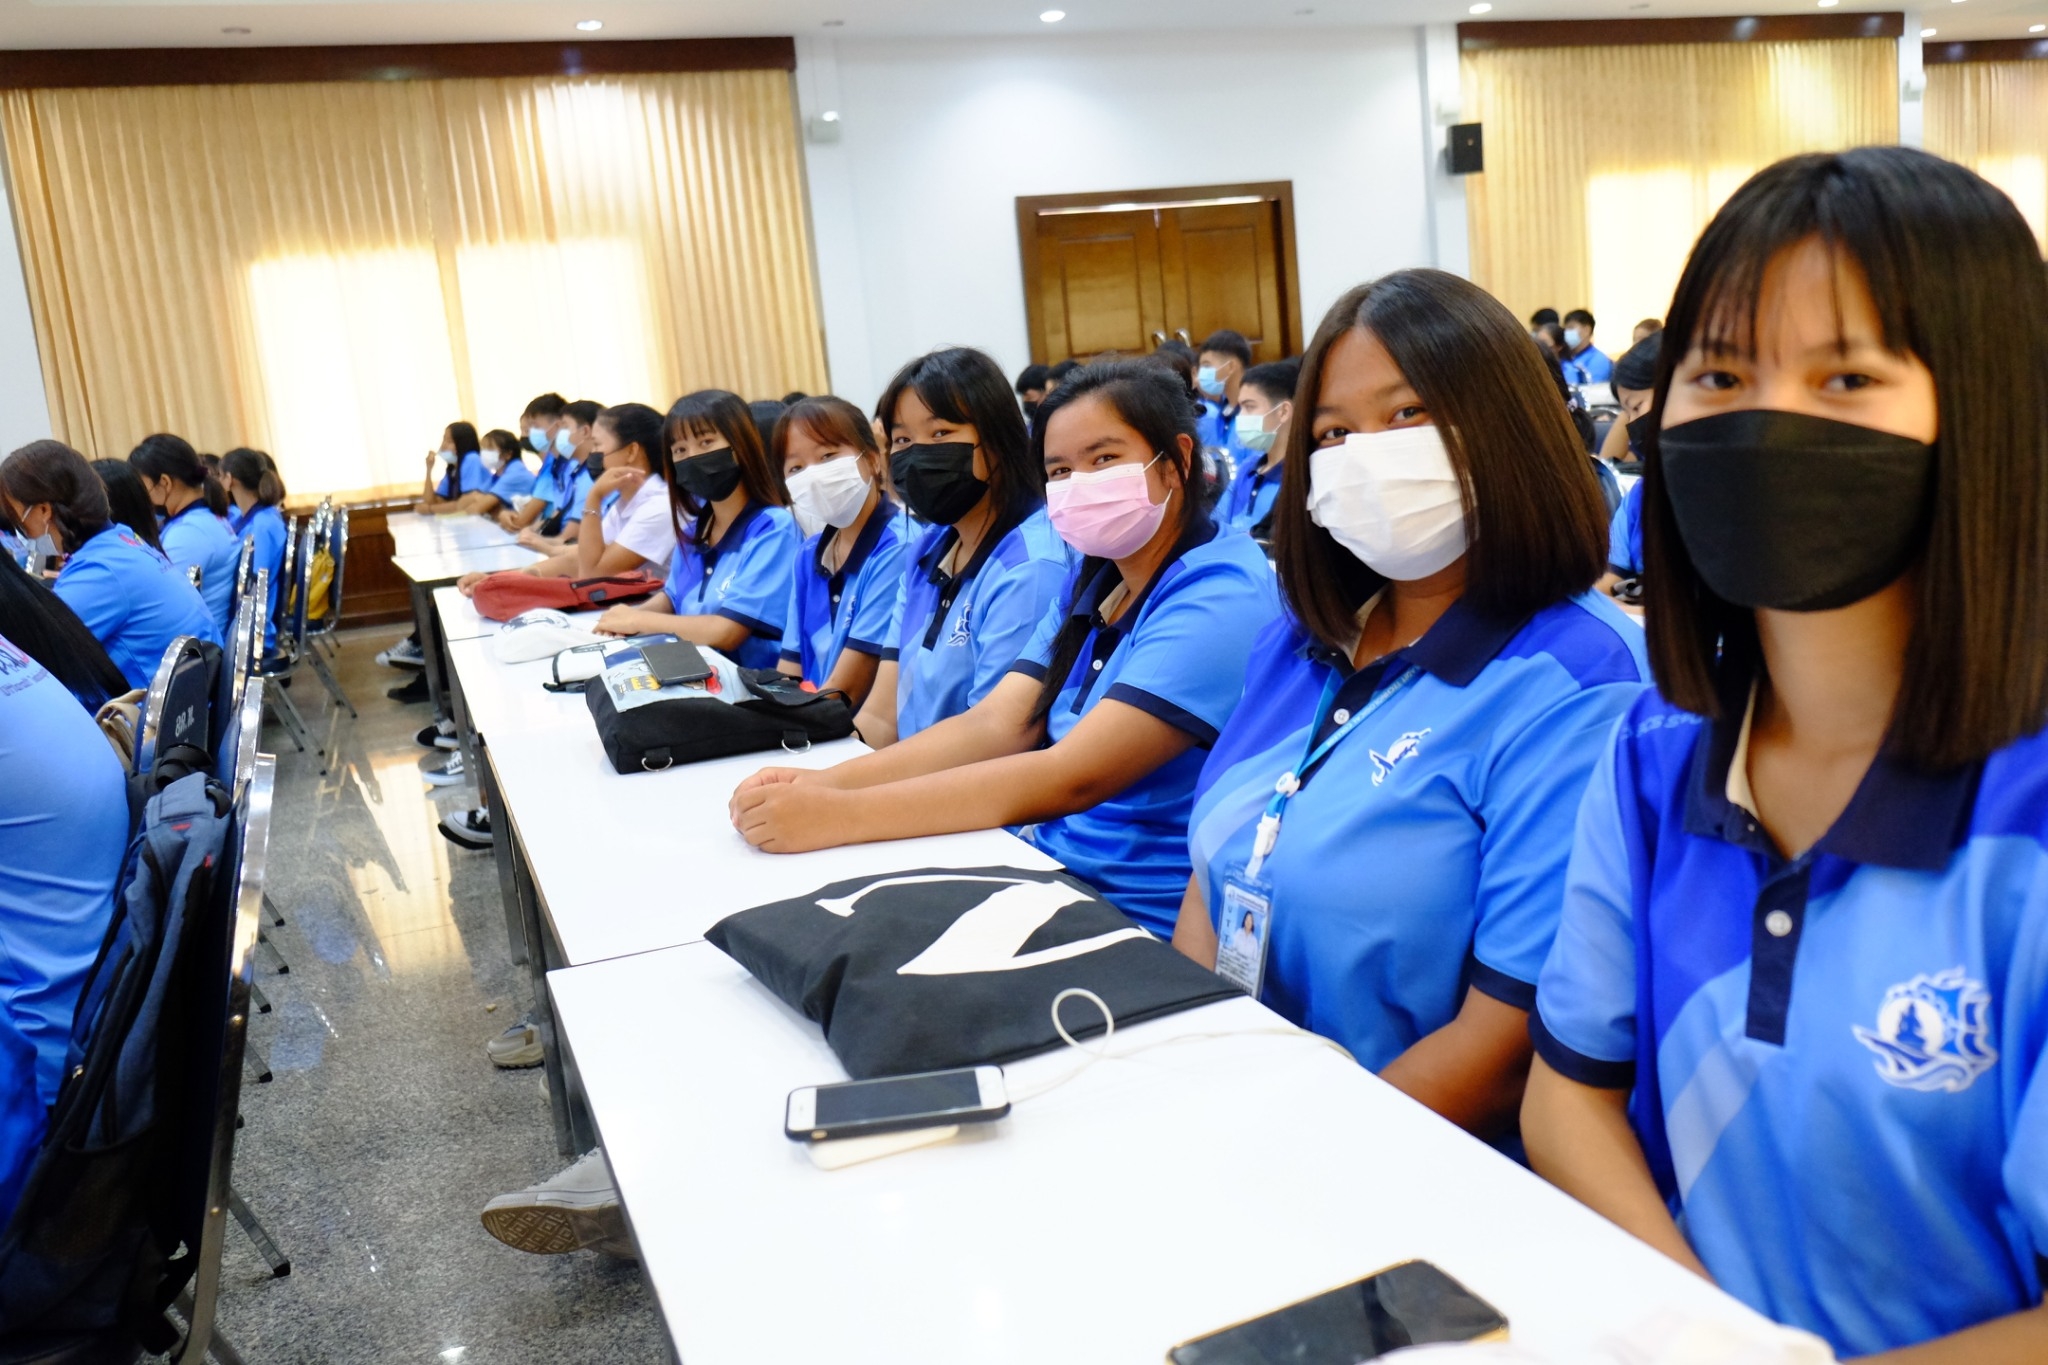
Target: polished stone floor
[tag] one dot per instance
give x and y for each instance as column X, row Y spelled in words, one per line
column 386, row 1128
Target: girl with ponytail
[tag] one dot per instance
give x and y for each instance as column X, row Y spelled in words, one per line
column 192, row 505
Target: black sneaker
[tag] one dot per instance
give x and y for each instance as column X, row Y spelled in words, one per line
column 440, row 735
column 468, row 828
column 414, row 691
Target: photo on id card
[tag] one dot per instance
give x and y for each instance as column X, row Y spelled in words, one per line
column 1241, row 937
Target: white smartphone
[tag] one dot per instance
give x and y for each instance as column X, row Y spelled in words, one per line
column 928, row 1099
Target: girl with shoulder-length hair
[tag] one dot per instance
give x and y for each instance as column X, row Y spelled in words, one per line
column 459, row 462
column 194, row 507
column 728, row 584
column 1392, row 817
column 257, row 495
column 850, row 569
column 979, row 576
column 128, row 595
column 1095, row 736
column 1791, row 1032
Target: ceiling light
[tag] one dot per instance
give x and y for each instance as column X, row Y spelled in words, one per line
column 1052, row 16
column 1829, row 4
column 1481, row 8
column 2037, row 28
column 830, row 116
column 589, row 25
column 238, row 30
column 1926, row 33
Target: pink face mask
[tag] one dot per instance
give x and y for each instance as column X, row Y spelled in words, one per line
column 1108, row 513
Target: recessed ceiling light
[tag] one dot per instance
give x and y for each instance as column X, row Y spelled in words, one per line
column 237, row 30
column 830, row 116
column 1481, row 8
column 1829, row 4
column 1926, row 33
column 589, row 25
column 2037, row 28
column 1052, row 16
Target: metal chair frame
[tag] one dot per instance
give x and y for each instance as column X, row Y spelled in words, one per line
column 329, row 530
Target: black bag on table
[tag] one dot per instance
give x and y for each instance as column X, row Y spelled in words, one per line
column 685, row 725
column 947, row 967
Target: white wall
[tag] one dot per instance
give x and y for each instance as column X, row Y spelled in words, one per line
column 914, row 210
column 24, row 408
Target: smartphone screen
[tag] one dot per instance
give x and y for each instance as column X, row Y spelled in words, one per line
column 1411, row 1304
column 675, row 661
column 863, row 1102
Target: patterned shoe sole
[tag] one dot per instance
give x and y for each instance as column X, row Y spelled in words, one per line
column 551, row 1230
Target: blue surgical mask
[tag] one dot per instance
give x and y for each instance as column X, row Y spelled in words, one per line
column 1574, row 338
column 446, row 454
column 1207, row 380
column 537, row 437
column 565, row 444
column 1250, row 431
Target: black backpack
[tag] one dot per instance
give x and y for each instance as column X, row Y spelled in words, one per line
column 117, row 1187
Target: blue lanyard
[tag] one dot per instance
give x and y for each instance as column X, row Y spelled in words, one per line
column 1290, row 782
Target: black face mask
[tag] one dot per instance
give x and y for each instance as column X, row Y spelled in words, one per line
column 1640, row 430
column 1796, row 513
column 594, row 462
column 710, row 477
column 937, row 480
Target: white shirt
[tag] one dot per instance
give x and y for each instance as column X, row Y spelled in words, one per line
column 643, row 524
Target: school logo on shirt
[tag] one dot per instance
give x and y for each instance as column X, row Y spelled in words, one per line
column 959, row 635
column 1933, row 1032
column 1402, row 749
column 725, row 584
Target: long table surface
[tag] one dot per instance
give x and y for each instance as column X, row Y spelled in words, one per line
column 670, row 864
column 1147, row 1201
column 413, row 534
column 447, row 565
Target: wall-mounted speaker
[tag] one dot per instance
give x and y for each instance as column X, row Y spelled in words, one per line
column 1467, row 152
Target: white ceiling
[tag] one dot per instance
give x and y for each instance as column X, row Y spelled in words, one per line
column 175, row 23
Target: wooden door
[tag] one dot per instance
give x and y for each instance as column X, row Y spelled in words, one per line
column 1125, row 270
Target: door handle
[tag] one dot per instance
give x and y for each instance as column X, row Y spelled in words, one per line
column 1159, row 338
column 1182, row 333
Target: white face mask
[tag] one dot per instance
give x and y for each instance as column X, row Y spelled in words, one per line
column 493, row 461
column 1251, row 432
column 1392, row 499
column 830, row 493
column 446, row 454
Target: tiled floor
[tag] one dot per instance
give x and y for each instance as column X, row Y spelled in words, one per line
column 386, row 1128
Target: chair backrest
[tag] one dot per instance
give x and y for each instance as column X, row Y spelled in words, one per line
column 336, row 544
column 231, row 690
column 198, row 576
column 210, row 1149
column 287, row 585
column 178, row 715
column 243, row 564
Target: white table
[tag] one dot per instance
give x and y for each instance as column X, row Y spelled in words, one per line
column 1146, row 1202
column 413, row 534
column 670, row 864
column 436, row 568
column 459, row 618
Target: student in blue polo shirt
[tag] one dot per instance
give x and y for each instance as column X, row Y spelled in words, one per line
column 194, row 506
column 46, row 630
column 1265, row 403
column 1794, row 1030
column 1435, row 699
column 509, row 480
column 850, row 570
column 257, row 492
column 64, row 810
column 454, row 470
column 1094, row 739
column 551, row 516
column 729, row 580
column 1220, row 367
column 978, row 577
column 1584, row 363
column 129, row 596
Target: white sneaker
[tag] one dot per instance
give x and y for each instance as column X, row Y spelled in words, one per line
column 404, row 654
column 516, row 1048
column 578, row 1208
column 448, row 774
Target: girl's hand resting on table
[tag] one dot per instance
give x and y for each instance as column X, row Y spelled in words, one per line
column 624, row 620
column 466, row 585
column 767, row 777
column 782, row 815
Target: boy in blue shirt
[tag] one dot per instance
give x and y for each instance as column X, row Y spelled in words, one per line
column 1584, row 363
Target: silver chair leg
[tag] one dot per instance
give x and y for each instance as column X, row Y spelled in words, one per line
column 279, row 1263
column 270, row 908
column 280, row 706
column 255, row 1063
column 328, row 680
column 218, row 1348
column 258, row 998
column 263, row 941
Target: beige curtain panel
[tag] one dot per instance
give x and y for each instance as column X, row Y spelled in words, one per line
column 1993, row 118
column 334, row 272
column 1603, row 163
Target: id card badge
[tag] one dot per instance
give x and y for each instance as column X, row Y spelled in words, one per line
column 1245, row 931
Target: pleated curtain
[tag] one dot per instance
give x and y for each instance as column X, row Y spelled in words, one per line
column 336, row 271
column 1603, row 163
column 1993, row 118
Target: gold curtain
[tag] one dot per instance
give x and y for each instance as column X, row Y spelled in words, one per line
column 1993, row 118
column 1603, row 163
column 334, row 272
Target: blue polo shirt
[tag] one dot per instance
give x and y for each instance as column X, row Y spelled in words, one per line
column 1837, row 1060
column 63, row 834
column 1178, row 653
column 133, row 600
column 851, row 609
column 1625, row 534
column 470, row 474
column 958, row 634
column 565, row 487
column 22, row 1121
column 745, row 577
column 1590, row 366
column 1250, row 497
column 265, row 526
column 1426, row 853
column 197, row 536
column 513, row 480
